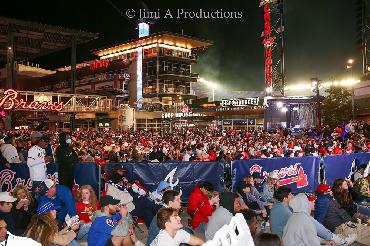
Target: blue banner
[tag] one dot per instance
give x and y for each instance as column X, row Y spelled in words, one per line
column 87, row 174
column 188, row 174
column 19, row 174
column 343, row 166
column 301, row 174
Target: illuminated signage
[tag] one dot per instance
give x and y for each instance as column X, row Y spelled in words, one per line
column 185, row 108
column 10, row 101
column 268, row 41
column 99, row 64
column 143, row 30
column 240, row 102
column 181, row 115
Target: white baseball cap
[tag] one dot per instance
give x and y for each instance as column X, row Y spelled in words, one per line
column 49, row 183
column 6, row 197
column 274, row 175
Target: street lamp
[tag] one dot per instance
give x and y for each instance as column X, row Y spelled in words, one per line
column 350, row 66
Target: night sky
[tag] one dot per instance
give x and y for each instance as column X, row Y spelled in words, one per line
column 319, row 35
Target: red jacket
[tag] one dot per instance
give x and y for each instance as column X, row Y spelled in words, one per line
column 199, row 207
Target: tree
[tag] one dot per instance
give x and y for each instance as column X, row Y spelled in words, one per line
column 337, row 106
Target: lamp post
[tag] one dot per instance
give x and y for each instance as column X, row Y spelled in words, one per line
column 350, row 66
column 315, row 86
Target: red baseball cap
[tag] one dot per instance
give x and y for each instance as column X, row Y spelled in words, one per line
column 322, row 188
column 312, row 198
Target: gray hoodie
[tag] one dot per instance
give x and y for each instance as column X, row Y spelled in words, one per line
column 299, row 229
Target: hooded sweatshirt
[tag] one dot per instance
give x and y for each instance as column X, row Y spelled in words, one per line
column 300, row 230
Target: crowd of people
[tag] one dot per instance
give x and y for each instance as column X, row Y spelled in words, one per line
column 50, row 214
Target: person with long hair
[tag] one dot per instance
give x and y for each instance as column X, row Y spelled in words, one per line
column 270, row 187
column 245, row 200
column 86, row 204
column 341, row 215
column 267, row 239
column 43, row 227
column 23, row 209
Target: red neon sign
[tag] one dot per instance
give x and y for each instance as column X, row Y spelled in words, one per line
column 9, row 101
column 99, row 64
column 268, row 41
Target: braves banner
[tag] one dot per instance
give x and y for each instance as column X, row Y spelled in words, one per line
column 87, row 173
column 343, row 166
column 301, row 174
column 19, row 174
column 182, row 176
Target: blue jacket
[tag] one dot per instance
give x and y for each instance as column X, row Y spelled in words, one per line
column 153, row 231
column 321, row 207
column 64, row 199
column 101, row 229
column 279, row 216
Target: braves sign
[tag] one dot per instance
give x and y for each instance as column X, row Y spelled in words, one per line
column 300, row 174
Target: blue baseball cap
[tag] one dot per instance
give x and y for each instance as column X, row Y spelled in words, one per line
column 46, row 207
column 162, row 185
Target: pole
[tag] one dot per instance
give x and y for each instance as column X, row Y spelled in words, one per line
column 318, row 103
column 353, row 103
column 213, row 94
column 73, row 80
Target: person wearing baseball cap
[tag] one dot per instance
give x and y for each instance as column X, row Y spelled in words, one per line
column 111, row 227
column 258, row 181
column 35, row 137
column 324, row 195
column 6, row 204
column 43, row 227
column 270, row 186
column 59, row 195
column 36, row 162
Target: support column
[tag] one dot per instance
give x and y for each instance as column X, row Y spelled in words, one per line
column 73, row 79
column 10, row 74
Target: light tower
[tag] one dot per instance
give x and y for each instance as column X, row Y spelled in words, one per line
column 273, row 42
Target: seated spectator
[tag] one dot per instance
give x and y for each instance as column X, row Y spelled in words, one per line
column 251, row 218
column 324, row 195
column 60, row 196
column 86, row 205
column 363, row 187
column 360, row 172
column 8, row 239
column 300, row 230
column 199, row 206
column 246, row 200
column 6, row 204
column 44, row 227
column 171, row 199
column 281, row 212
column 221, row 216
column 23, row 209
column 258, row 181
column 171, row 233
column 254, row 191
column 270, row 186
column 111, row 227
column 267, row 239
column 341, row 215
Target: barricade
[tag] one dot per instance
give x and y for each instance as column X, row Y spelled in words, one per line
column 236, row 233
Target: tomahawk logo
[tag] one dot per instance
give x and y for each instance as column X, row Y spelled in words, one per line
column 294, row 173
column 170, row 177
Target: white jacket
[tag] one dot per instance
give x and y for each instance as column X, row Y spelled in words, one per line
column 17, row 241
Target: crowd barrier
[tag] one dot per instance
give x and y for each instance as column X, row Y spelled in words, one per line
column 302, row 174
column 178, row 174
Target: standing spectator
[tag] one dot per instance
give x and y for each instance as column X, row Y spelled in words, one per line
column 299, row 229
column 23, row 209
column 44, row 227
column 199, row 206
column 171, row 233
column 8, row 239
column 6, row 204
column 9, row 150
column 35, row 137
column 36, row 162
column 60, row 196
column 66, row 158
column 86, row 204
